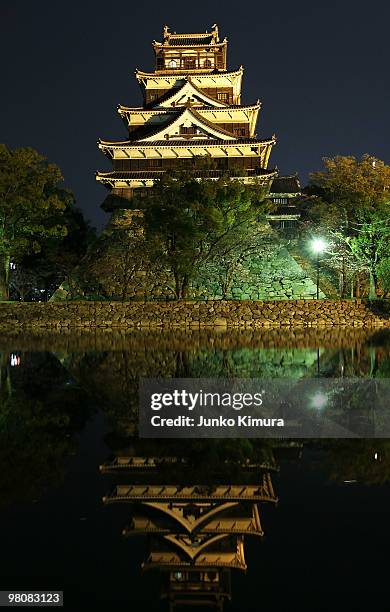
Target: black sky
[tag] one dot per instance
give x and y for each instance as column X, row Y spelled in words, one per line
column 321, row 70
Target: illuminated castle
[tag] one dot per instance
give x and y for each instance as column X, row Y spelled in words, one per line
column 191, row 108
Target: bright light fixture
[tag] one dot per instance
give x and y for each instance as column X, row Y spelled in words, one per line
column 318, row 245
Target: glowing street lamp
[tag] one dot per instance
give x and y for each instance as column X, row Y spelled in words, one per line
column 318, row 246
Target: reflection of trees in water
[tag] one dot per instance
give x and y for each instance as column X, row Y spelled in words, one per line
column 40, row 410
column 362, row 461
column 112, row 376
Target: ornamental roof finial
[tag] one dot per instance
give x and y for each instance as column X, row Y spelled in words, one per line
column 166, row 31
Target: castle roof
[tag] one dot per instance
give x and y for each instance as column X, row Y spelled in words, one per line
column 171, row 142
column 201, row 39
column 230, row 556
column 261, row 492
column 172, row 109
column 191, row 41
column 189, row 88
column 186, row 114
column 286, row 184
column 216, row 74
column 156, row 174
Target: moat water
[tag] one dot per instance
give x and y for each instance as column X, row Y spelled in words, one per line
column 69, row 405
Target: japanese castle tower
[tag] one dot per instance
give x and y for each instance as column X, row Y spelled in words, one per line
column 191, row 110
column 191, row 107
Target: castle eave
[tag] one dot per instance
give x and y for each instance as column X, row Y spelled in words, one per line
column 145, row 179
column 169, row 143
column 140, row 74
column 169, row 109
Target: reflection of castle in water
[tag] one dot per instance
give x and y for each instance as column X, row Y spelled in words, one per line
column 196, row 532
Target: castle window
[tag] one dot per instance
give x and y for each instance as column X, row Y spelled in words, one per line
column 189, row 63
column 219, row 58
column 239, row 131
column 187, row 130
column 155, row 163
column 223, row 96
column 172, row 64
column 207, row 63
column 288, row 224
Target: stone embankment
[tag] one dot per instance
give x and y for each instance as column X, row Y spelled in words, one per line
column 193, row 314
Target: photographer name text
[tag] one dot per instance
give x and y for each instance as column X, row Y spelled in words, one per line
column 239, row 421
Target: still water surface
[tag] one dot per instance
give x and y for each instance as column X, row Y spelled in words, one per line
column 244, row 524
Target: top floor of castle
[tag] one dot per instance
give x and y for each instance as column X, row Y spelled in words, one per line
column 190, row 52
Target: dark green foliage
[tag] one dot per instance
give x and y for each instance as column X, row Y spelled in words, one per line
column 39, row 226
column 187, row 220
column 351, row 210
column 40, row 411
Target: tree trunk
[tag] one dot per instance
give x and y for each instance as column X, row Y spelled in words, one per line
column 4, row 278
column 342, row 279
column 358, row 286
column 227, row 282
column 184, row 286
column 177, row 284
column 372, row 293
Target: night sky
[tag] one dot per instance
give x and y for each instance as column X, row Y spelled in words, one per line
column 320, row 69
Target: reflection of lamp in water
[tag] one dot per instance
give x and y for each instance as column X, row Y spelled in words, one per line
column 14, row 360
column 319, row 400
column 318, row 246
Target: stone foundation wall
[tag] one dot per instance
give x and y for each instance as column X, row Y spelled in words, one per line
column 119, row 267
column 194, row 314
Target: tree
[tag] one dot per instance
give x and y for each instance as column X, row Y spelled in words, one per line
column 121, row 261
column 32, row 207
column 229, row 255
column 370, row 244
column 352, row 210
column 383, row 272
column 58, row 258
column 22, row 282
column 186, row 220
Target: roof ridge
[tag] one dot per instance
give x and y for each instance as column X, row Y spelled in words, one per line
column 167, row 124
column 195, row 114
column 187, row 81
